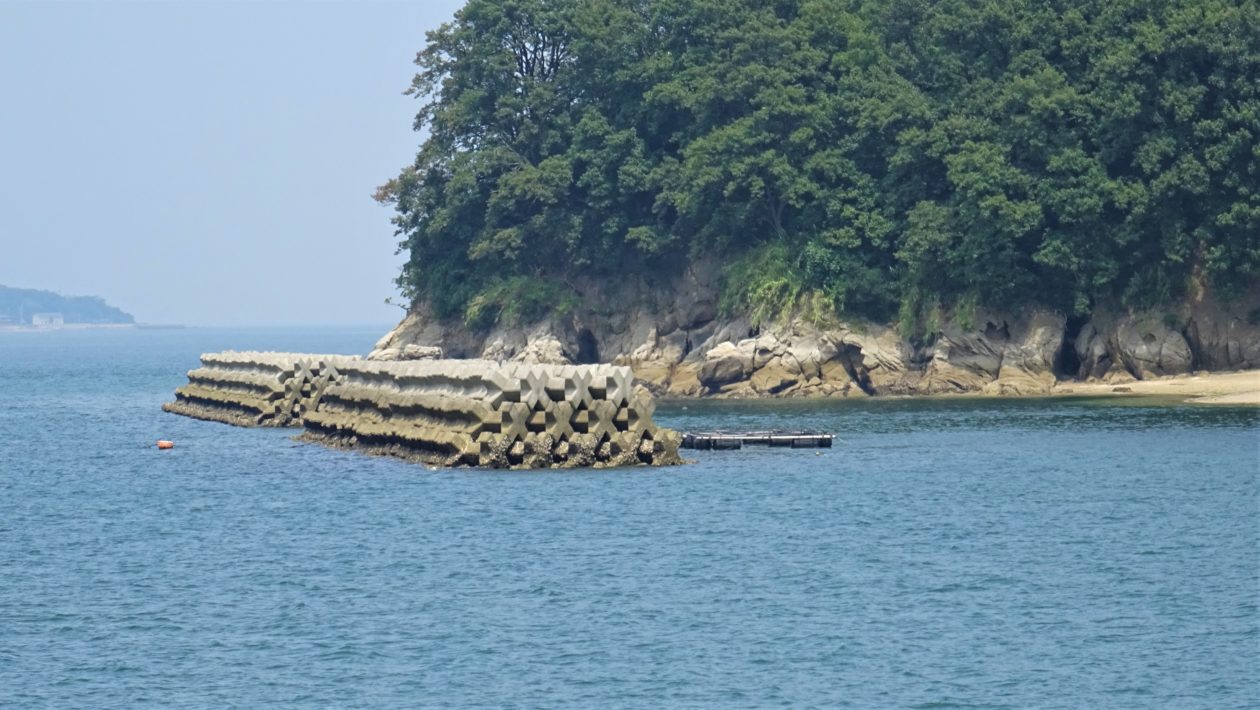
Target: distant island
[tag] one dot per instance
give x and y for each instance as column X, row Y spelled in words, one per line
column 34, row 308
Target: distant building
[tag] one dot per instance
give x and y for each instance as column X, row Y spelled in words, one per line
column 48, row 320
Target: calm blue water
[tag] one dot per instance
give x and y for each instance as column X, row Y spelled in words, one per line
column 959, row 554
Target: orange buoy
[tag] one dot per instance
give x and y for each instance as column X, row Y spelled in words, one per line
column 164, row 444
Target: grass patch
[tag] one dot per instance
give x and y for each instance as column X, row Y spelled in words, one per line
column 517, row 300
column 763, row 284
column 767, row 284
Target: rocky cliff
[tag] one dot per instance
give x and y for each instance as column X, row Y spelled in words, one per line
column 678, row 345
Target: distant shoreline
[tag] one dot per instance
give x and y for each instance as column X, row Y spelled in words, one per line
column 87, row 326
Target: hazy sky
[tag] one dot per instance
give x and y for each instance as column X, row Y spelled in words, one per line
column 208, row 162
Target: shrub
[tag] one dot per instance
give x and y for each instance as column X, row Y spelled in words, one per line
column 517, row 300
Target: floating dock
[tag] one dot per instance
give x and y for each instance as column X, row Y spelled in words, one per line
column 721, row 441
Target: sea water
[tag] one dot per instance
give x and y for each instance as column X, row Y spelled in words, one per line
column 945, row 553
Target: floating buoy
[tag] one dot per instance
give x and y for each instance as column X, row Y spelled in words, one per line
column 164, row 444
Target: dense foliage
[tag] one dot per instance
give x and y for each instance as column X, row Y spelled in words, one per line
column 875, row 154
column 18, row 305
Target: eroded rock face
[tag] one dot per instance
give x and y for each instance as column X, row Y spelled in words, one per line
column 1092, row 353
column 1029, row 357
column 1001, row 355
column 961, row 362
column 407, row 352
column 685, row 349
column 417, row 337
column 776, row 376
column 1225, row 335
column 735, row 359
column 543, row 350
column 796, row 362
column 1147, row 347
column 422, row 352
column 883, row 361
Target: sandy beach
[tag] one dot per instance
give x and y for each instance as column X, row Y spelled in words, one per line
column 1232, row 388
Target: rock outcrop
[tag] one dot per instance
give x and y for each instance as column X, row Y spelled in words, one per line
column 408, row 352
column 1004, row 355
column 1223, row 336
column 1149, row 348
column 1202, row 334
column 678, row 346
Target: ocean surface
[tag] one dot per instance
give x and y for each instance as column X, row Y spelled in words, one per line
column 946, row 554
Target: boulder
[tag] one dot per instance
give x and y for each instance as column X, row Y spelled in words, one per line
column 774, row 377
column 543, row 350
column 685, row 380
column 655, row 375
column 834, row 372
column 497, row 350
column 385, row 354
column 764, row 349
column 655, row 358
column 1148, row 347
column 421, row 352
column 726, row 364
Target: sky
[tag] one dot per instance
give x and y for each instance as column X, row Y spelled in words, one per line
column 208, row 163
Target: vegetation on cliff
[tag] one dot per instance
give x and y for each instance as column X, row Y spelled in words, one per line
column 868, row 155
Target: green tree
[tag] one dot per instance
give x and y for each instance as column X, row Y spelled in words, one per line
column 879, row 156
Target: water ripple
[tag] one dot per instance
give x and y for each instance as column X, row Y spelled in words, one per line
column 957, row 554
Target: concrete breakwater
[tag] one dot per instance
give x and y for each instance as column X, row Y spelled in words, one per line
column 448, row 412
column 267, row 389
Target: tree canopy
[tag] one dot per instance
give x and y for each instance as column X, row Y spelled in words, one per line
column 875, row 154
